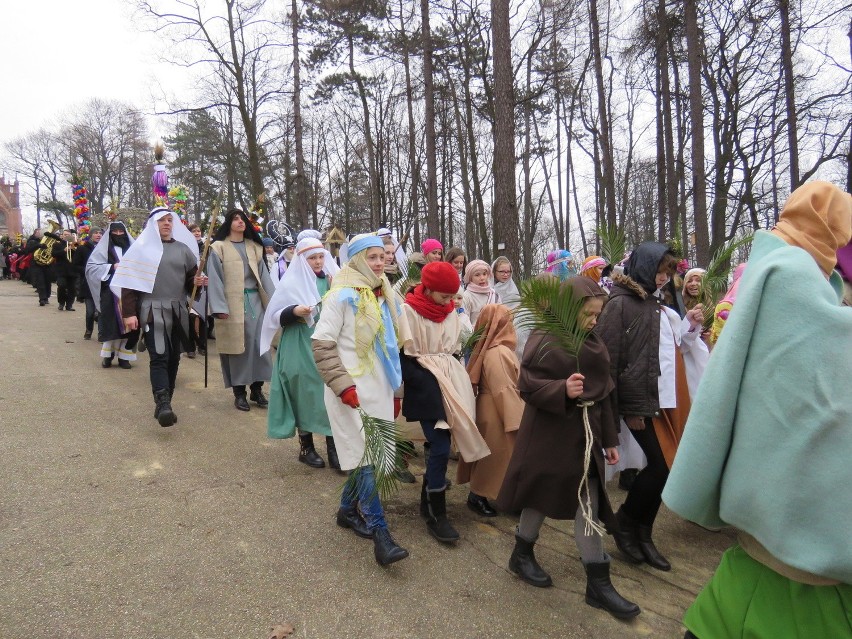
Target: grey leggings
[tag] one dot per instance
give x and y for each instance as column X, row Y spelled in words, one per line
column 590, row 546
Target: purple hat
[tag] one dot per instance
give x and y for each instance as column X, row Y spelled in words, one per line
column 844, row 262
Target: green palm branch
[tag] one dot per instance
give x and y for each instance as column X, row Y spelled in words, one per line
column 384, row 450
column 613, row 243
column 470, row 342
column 412, row 278
column 714, row 284
column 547, row 305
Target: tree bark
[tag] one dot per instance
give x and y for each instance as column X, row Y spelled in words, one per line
column 429, row 116
column 789, row 93
column 300, row 186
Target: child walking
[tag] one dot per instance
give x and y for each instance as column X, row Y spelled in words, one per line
column 555, row 471
column 356, row 350
column 438, row 393
column 296, row 390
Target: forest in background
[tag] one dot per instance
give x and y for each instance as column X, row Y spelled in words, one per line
column 501, row 127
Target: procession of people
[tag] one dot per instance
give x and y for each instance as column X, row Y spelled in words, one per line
column 732, row 415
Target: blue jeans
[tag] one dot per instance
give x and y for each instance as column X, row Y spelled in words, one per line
column 439, row 455
column 360, row 488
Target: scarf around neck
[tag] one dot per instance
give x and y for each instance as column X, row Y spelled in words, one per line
column 426, row 307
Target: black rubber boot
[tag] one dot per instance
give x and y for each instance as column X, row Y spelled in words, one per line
column 424, row 502
column 307, row 453
column 386, row 549
column 257, row 395
column 165, row 415
column 352, row 519
column 523, row 564
column 626, row 537
column 600, row 592
column 436, row 522
column 652, row 556
column 331, row 450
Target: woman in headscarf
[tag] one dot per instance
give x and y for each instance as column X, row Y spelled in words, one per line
column 692, row 287
column 240, row 288
column 356, row 348
column 568, row 433
column 766, row 449
column 593, row 268
column 493, row 371
column 296, row 390
column 100, row 267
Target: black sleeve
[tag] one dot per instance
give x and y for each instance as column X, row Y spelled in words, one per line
column 289, row 317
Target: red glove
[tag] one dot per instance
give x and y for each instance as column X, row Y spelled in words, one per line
column 350, row 397
column 397, row 406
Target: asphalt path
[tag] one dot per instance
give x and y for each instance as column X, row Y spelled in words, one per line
column 113, row 527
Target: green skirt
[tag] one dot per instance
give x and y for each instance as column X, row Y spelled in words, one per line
column 747, row 600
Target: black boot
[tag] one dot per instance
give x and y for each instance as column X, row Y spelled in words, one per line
column 649, row 551
column 307, row 453
column 626, row 537
column 352, row 519
column 241, row 403
column 523, row 564
column 386, row 549
column 600, row 592
column 424, row 502
column 165, row 415
column 331, row 450
column 107, row 361
column 480, row 505
column 436, row 521
column 171, row 396
column 257, row 396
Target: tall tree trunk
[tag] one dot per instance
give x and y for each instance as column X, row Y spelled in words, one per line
column 608, row 163
column 789, row 93
column 696, row 116
column 300, row 186
column 368, row 139
column 413, row 165
column 668, row 121
column 505, row 202
column 429, row 115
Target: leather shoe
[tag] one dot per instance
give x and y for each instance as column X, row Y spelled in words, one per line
column 123, row 363
column 653, row 557
column 241, row 403
column 87, row 335
column 480, row 505
column 107, row 362
column 352, row 520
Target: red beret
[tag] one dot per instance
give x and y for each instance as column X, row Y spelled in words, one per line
column 441, row 277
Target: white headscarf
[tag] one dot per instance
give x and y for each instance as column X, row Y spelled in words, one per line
column 138, row 268
column 297, row 287
column 98, row 266
column 399, row 254
column 508, row 290
column 331, row 266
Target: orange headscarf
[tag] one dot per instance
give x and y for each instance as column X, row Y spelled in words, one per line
column 498, row 331
column 817, row 217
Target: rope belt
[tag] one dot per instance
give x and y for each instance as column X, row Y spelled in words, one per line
column 248, row 307
column 590, row 524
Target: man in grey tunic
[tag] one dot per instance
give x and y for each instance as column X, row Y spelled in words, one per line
column 240, row 288
column 153, row 280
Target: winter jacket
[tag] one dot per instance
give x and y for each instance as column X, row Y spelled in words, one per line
column 629, row 325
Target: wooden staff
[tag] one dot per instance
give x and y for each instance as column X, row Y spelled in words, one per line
column 211, row 223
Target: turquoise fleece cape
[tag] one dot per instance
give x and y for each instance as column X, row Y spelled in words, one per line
column 768, row 444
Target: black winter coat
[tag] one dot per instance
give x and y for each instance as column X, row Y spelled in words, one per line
column 629, row 325
column 81, row 256
column 423, row 400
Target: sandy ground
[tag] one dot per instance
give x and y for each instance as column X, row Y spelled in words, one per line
column 111, row 526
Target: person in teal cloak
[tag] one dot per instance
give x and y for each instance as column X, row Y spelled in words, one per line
column 296, row 390
column 767, row 445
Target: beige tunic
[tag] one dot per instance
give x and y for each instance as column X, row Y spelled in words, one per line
column 433, row 344
column 499, row 409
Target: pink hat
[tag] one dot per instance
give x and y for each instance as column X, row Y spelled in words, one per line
column 430, row 245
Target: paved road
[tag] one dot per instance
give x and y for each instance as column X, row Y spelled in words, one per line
column 113, row 527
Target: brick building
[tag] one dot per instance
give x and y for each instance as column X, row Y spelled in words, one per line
column 10, row 208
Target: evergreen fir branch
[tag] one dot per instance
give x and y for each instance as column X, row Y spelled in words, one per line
column 613, row 243
column 384, row 450
column 547, row 305
column 714, row 283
